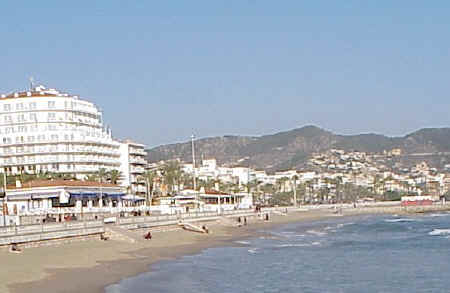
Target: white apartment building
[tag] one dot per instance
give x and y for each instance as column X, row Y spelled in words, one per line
column 47, row 130
column 132, row 166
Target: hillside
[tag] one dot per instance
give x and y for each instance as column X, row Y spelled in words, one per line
column 292, row 148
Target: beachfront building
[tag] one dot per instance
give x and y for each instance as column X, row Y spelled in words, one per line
column 204, row 201
column 45, row 130
column 132, row 167
column 62, row 197
column 216, row 201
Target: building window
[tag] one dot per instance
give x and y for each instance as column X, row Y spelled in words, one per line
column 7, row 107
column 54, row 137
column 8, row 119
column 51, row 116
column 32, row 105
column 33, row 117
column 19, row 106
column 31, row 138
column 51, row 104
column 21, row 118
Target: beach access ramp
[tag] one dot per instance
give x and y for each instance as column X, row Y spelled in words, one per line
column 119, row 233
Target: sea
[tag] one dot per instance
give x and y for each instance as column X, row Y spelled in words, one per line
column 369, row 253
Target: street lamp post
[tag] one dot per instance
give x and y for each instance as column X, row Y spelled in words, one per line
column 195, row 173
column 295, row 192
column 193, row 161
column 5, row 198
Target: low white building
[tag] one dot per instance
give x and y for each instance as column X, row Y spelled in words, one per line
column 42, row 197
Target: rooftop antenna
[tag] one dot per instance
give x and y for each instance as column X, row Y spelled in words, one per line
column 31, row 83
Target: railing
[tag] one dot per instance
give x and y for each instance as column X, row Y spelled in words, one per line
column 50, row 231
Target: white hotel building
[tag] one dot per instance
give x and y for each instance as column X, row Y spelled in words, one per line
column 47, row 130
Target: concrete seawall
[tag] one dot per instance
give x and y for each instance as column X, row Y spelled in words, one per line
column 52, row 231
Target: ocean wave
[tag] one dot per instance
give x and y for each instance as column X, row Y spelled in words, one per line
column 399, row 220
column 438, row 215
column 253, row 250
column 294, row 245
column 242, row 242
column 345, row 224
column 438, row 232
column 317, row 233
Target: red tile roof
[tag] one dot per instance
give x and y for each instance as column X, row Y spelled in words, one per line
column 60, row 182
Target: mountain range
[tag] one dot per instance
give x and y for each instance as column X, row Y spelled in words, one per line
column 291, row 149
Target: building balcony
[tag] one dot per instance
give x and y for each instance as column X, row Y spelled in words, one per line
column 138, row 170
column 139, row 152
column 138, row 161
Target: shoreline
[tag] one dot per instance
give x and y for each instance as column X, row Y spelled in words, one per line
column 92, row 265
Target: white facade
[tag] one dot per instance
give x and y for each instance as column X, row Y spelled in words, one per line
column 47, row 130
column 132, row 166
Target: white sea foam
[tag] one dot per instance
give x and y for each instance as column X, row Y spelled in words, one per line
column 399, row 220
column 317, row 233
column 293, row 245
column 253, row 250
column 315, row 243
column 438, row 215
column 243, row 242
column 437, row 232
column 345, row 224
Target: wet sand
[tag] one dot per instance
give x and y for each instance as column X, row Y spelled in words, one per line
column 91, row 265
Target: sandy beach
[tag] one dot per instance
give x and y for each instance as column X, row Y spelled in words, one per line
column 90, row 265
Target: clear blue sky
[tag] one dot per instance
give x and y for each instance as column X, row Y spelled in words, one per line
column 161, row 70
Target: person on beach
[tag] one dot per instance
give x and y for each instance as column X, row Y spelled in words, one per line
column 148, row 236
column 245, row 221
column 205, row 229
column 14, row 248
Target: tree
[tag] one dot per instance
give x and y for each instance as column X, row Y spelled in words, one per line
column 207, row 184
column 114, row 176
column 150, row 177
column 102, row 175
column 294, row 179
column 267, row 190
column 172, row 174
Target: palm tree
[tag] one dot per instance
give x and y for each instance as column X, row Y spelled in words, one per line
column 149, row 178
column 207, row 184
column 267, row 189
column 294, row 179
column 172, row 174
column 114, row 176
column 102, row 175
column 92, row 177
